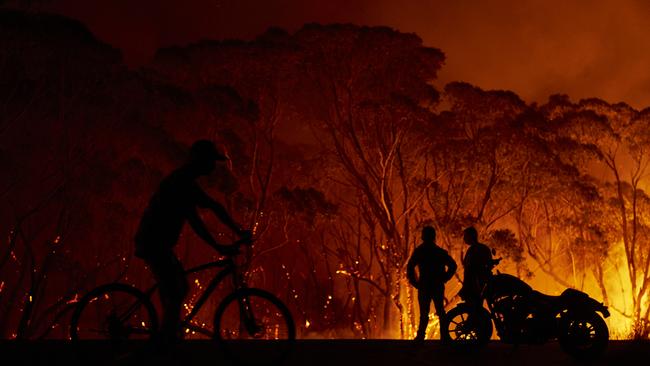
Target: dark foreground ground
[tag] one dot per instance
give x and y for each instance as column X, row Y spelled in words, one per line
column 323, row 352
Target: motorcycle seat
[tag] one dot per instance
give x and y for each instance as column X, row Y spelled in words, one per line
column 544, row 299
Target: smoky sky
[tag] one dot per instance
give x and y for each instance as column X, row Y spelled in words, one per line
column 535, row 48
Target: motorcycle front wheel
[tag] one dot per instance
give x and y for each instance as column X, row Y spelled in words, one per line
column 583, row 335
column 466, row 326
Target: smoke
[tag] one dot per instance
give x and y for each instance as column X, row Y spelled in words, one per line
column 535, row 48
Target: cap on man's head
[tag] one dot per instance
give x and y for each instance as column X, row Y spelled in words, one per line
column 205, row 150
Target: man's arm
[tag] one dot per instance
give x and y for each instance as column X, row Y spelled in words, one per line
column 451, row 267
column 410, row 269
column 199, row 228
column 487, row 258
column 203, row 200
column 223, row 215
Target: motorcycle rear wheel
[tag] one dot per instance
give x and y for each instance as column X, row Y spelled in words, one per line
column 583, row 335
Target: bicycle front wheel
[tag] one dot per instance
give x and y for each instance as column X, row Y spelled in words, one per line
column 115, row 312
column 253, row 327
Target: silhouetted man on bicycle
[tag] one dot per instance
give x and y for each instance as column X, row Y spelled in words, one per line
column 175, row 202
column 435, row 267
column 477, row 265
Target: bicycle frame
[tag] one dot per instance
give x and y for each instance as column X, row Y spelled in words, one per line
column 229, row 268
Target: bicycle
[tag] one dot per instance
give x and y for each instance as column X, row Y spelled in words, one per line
column 119, row 312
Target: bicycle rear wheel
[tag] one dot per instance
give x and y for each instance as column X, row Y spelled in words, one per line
column 253, row 327
column 116, row 313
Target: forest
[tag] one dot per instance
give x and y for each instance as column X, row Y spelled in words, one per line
column 341, row 146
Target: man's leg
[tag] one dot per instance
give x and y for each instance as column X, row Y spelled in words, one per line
column 424, row 300
column 173, row 288
column 438, row 296
column 475, row 303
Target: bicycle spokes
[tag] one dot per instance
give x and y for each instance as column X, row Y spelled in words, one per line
column 248, row 320
column 116, row 316
column 252, row 317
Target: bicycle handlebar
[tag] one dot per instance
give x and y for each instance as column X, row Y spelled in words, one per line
column 244, row 241
column 233, row 248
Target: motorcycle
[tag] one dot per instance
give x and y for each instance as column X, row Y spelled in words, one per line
column 523, row 315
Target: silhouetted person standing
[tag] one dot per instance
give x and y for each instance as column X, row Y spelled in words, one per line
column 175, row 202
column 477, row 264
column 435, row 267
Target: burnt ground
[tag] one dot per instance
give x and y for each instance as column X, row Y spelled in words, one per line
column 321, row 352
